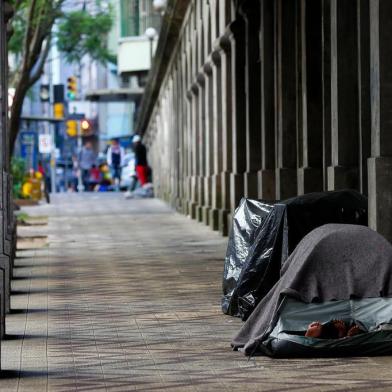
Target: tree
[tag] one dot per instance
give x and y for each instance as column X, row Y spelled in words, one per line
column 33, row 36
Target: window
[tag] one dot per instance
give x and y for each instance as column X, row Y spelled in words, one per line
column 137, row 16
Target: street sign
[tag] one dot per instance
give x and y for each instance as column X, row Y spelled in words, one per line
column 76, row 116
column 45, row 144
column 28, row 148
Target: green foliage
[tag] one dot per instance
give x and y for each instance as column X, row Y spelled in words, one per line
column 15, row 43
column 80, row 33
column 18, row 171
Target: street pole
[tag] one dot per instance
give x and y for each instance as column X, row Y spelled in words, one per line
column 80, row 179
column 52, row 131
column 151, row 51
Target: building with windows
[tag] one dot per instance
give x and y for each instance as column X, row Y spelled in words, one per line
column 135, row 48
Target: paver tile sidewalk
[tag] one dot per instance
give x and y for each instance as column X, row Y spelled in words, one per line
column 126, row 297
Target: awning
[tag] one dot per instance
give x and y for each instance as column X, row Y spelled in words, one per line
column 42, row 119
column 114, row 95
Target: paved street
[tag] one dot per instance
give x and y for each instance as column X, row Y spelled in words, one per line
column 125, row 296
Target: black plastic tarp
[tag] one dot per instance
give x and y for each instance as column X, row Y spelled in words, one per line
column 249, row 215
column 264, row 235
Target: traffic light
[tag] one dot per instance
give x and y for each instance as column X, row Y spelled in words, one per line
column 58, row 110
column 44, row 94
column 72, row 88
column 86, row 127
column 72, row 128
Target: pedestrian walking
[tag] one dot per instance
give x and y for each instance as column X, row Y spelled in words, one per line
column 45, row 180
column 115, row 159
column 141, row 164
column 87, row 158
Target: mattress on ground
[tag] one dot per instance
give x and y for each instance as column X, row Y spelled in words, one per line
column 373, row 315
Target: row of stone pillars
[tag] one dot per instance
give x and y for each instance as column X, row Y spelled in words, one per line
column 274, row 98
column 7, row 221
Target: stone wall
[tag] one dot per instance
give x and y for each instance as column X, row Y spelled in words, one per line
column 7, row 223
column 270, row 99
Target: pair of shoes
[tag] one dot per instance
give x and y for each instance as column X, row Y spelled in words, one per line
column 336, row 329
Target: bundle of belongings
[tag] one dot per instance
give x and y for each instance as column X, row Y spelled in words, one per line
column 265, row 234
column 333, row 299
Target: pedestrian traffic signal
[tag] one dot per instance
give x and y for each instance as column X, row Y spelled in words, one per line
column 86, row 127
column 44, row 94
column 72, row 88
column 72, row 128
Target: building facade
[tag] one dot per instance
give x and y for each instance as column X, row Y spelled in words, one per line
column 270, row 99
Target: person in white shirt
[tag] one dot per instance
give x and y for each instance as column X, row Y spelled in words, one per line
column 115, row 160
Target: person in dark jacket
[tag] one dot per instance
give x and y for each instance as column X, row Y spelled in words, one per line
column 141, row 165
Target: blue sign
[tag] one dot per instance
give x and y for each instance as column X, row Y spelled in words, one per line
column 28, row 148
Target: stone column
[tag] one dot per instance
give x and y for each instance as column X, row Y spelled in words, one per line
column 217, row 139
column 364, row 111
column 190, row 206
column 310, row 175
column 202, row 143
column 286, row 99
column 343, row 173
column 250, row 10
column 380, row 163
column 226, row 110
column 326, row 88
column 5, row 273
column 237, row 39
column 209, row 127
column 266, row 176
column 200, row 80
column 209, row 142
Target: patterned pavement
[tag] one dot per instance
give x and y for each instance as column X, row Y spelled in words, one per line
column 125, row 297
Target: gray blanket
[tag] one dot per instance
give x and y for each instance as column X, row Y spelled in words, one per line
column 333, row 262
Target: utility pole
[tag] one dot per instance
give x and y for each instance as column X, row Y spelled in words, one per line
column 52, row 129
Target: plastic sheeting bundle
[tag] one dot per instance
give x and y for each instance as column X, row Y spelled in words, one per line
column 265, row 234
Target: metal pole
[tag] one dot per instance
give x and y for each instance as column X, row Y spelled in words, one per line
column 52, row 131
column 80, row 182
column 151, row 51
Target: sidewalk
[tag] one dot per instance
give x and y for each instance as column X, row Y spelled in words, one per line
column 126, row 296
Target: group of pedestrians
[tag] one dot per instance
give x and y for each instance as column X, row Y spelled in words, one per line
column 93, row 174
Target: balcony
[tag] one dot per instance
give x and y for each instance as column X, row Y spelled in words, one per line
column 134, row 54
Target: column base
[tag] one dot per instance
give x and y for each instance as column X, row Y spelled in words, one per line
column 310, row 179
column 199, row 213
column 200, row 198
column 224, row 222
column 380, row 196
column 6, row 289
column 342, row 177
column 286, row 183
column 225, row 190
column 251, row 185
column 236, row 190
column 214, row 219
column 2, row 304
column 216, row 191
column 207, row 191
column 266, row 184
column 192, row 209
column 206, row 215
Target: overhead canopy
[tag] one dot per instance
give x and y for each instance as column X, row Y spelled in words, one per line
column 114, row 95
column 42, row 119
